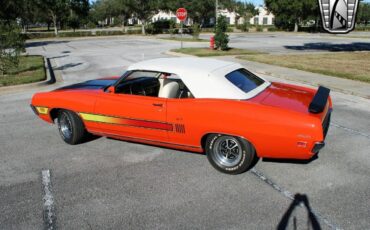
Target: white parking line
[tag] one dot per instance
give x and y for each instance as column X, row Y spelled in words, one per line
column 290, row 196
column 49, row 216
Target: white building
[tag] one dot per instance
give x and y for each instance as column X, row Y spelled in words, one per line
column 230, row 16
column 263, row 18
column 163, row 15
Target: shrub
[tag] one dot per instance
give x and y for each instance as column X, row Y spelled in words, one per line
column 109, row 32
column 207, row 30
column 11, row 45
column 172, row 30
column 221, row 38
column 75, row 34
column 195, row 30
column 149, row 28
column 117, row 22
column 134, row 31
column 36, row 35
column 159, row 26
column 91, row 25
column 244, row 27
column 259, row 28
column 362, row 28
column 272, row 29
column 230, row 29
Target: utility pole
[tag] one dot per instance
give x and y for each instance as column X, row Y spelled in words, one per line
column 216, row 12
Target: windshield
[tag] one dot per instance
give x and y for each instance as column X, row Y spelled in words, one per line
column 244, row 80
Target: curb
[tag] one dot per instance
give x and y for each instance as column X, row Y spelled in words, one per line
column 51, row 78
column 55, row 75
column 177, row 54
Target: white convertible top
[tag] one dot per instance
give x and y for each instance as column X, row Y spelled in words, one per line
column 204, row 77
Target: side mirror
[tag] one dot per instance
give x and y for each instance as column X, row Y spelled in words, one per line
column 111, row 89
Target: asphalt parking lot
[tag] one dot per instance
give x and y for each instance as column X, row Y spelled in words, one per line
column 111, row 184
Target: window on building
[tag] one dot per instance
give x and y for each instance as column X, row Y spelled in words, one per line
column 256, row 19
column 228, row 20
column 265, row 20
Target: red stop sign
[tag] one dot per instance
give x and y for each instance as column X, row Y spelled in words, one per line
column 181, row 14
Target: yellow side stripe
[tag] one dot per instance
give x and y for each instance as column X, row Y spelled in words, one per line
column 126, row 121
column 94, row 117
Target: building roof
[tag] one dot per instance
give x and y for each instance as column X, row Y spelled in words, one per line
column 204, row 77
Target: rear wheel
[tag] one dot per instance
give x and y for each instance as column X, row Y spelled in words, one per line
column 229, row 154
column 71, row 127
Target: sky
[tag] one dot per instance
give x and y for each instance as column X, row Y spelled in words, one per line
column 255, row 2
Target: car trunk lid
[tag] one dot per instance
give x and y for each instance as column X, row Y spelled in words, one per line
column 294, row 98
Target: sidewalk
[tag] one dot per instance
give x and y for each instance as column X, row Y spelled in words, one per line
column 357, row 88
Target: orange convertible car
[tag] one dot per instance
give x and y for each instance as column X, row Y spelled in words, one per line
column 194, row 104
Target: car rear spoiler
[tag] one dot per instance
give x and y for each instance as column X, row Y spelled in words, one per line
column 319, row 101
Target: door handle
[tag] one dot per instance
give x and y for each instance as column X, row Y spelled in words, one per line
column 157, row 104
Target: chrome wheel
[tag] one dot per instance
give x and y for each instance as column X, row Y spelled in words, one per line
column 227, row 151
column 65, row 126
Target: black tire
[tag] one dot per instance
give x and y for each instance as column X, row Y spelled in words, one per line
column 71, row 128
column 229, row 154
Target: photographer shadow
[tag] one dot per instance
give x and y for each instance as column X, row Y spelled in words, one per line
column 299, row 199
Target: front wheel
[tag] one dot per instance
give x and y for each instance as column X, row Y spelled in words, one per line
column 71, row 127
column 229, row 154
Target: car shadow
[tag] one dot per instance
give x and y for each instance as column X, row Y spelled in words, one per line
column 89, row 137
column 60, row 56
column 67, row 66
column 156, row 146
column 299, row 200
column 355, row 46
column 43, row 43
column 291, row 161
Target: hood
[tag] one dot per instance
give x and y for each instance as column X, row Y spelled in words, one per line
column 91, row 84
column 294, row 98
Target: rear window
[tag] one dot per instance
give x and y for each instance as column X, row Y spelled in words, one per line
column 244, row 80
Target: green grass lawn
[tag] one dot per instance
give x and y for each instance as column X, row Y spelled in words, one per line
column 206, row 52
column 30, row 69
column 185, row 39
column 350, row 65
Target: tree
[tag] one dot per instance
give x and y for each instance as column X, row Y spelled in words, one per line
column 80, row 8
column 363, row 14
column 9, row 9
column 28, row 11
column 245, row 10
column 290, row 13
column 124, row 10
column 200, row 11
column 56, row 10
column 105, row 10
column 79, row 11
column 144, row 10
column 221, row 38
